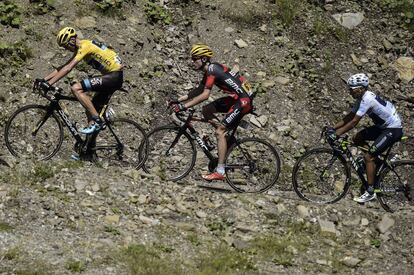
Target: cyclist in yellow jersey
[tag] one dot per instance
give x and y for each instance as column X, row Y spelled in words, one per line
column 100, row 57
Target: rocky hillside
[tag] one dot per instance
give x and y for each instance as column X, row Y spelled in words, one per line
column 65, row 217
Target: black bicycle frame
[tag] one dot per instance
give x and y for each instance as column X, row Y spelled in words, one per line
column 54, row 106
column 188, row 126
column 358, row 168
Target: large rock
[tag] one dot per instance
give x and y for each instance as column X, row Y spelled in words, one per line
column 349, row 20
column 87, row 22
column 405, row 68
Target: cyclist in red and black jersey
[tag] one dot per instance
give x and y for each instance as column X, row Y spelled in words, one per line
column 236, row 104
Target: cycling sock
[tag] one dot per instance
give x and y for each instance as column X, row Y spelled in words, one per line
column 370, row 189
column 220, row 169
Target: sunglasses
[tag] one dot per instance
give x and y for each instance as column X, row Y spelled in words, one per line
column 195, row 58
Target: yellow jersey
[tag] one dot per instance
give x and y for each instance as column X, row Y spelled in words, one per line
column 99, row 56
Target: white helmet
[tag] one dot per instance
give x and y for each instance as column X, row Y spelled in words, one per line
column 358, row 80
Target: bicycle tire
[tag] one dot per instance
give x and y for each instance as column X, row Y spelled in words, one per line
column 397, row 186
column 252, row 165
column 181, row 157
column 19, row 133
column 306, row 178
column 132, row 137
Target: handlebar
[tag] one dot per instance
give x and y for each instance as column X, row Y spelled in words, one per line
column 46, row 90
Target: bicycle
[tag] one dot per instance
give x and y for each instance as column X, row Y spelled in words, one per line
column 252, row 165
column 323, row 175
column 36, row 131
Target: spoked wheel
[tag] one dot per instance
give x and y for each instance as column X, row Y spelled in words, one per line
column 321, row 176
column 33, row 132
column 397, row 186
column 169, row 156
column 120, row 143
column 252, row 165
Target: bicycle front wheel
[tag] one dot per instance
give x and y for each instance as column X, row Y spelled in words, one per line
column 170, row 155
column 397, row 186
column 252, row 165
column 33, row 132
column 120, row 143
column 321, row 176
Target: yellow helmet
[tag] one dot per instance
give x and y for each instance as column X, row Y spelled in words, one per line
column 65, row 35
column 201, row 50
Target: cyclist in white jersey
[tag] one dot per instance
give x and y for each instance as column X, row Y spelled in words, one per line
column 387, row 128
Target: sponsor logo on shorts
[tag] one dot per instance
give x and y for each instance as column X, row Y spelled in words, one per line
column 232, row 116
column 96, row 81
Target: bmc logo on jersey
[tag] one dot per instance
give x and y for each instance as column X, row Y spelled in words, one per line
column 234, row 85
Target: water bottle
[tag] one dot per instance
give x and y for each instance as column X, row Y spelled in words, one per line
column 208, row 143
column 110, row 114
column 394, row 158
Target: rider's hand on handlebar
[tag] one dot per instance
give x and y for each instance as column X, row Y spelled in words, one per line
column 172, row 101
column 331, row 134
column 178, row 107
column 42, row 84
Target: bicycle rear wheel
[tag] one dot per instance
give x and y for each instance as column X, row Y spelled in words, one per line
column 33, row 132
column 169, row 156
column 321, row 176
column 397, row 186
column 252, row 165
column 120, row 143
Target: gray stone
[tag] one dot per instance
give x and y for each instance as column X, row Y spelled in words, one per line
column 263, row 28
column 268, row 84
column 303, row 211
column 385, row 224
column 405, row 68
column 356, row 60
column 262, row 120
column 201, row 214
column 387, row 45
column 349, row 20
column 80, row 185
column 148, row 220
column 240, row 43
column 282, row 80
column 112, row 219
column 87, row 22
column 327, row 226
column 350, row 261
column 255, row 122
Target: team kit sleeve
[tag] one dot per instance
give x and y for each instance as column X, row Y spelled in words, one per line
column 366, row 104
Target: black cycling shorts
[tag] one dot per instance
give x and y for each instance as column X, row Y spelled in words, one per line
column 235, row 109
column 104, row 86
column 383, row 138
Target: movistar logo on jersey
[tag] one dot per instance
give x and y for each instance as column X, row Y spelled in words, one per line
column 234, row 85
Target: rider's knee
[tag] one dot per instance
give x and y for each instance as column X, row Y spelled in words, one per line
column 220, row 131
column 76, row 88
column 358, row 140
column 369, row 158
